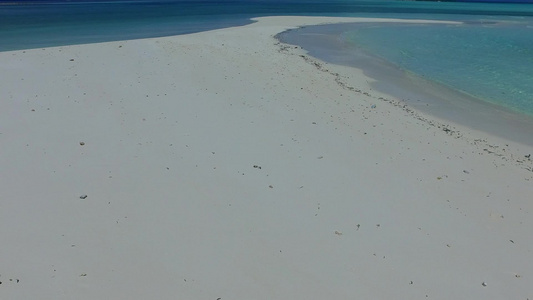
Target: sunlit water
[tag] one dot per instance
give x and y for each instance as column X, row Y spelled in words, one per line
column 490, row 60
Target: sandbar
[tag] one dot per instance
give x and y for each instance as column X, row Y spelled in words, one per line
column 228, row 165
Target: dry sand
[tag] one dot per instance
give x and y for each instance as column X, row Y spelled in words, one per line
column 224, row 165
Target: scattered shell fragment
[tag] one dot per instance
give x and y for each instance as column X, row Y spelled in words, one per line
column 484, row 283
column 83, row 196
column 82, row 143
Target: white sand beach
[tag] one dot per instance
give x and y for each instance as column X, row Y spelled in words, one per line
column 225, row 165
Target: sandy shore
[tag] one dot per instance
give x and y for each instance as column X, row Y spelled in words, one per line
column 225, row 165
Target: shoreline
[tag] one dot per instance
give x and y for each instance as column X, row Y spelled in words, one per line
column 427, row 96
column 225, row 164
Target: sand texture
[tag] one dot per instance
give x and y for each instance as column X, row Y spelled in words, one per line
column 225, row 165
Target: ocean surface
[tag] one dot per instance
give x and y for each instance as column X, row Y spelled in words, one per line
column 488, row 57
column 39, row 23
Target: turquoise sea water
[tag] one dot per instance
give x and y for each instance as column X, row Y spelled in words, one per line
column 490, row 57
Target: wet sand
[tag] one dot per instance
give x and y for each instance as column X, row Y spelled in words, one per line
column 325, row 42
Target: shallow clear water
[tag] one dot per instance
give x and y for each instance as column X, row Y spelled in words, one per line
column 491, row 60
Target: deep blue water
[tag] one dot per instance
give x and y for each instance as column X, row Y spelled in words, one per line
column 50, row 23
column 492, row 61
